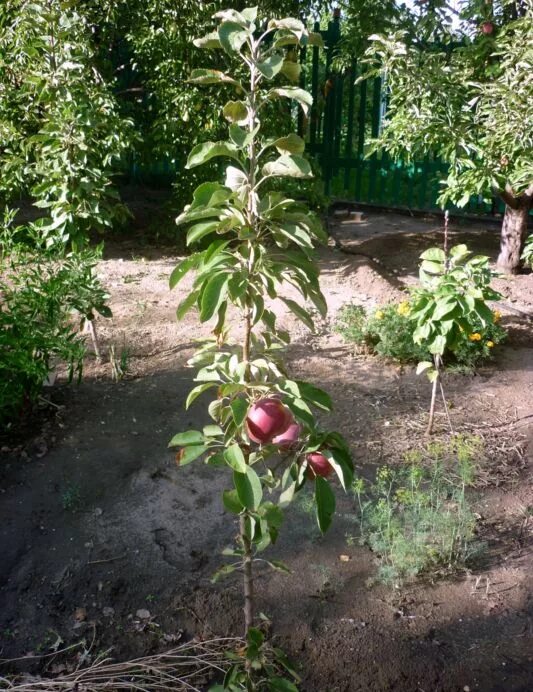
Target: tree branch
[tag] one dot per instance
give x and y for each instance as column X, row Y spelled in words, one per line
column 508, row 197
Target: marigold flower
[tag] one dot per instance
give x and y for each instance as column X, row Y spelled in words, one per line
column 379, row 315
column 403, row 308
column 490, row 344
column 476, row 336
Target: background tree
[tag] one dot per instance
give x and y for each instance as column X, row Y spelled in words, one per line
column 470, row 102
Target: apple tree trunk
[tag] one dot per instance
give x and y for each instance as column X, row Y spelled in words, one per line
column 514, row 234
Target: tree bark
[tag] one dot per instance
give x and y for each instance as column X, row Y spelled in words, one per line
column 514, row 234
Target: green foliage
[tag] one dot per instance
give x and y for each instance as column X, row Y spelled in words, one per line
column 260, row 241
column 466, row 101
column 527, row 255
column 61, row 136
column 416, row 517
column 450, row 302
column 388, row 332
column 42, row 292
column 258, row 667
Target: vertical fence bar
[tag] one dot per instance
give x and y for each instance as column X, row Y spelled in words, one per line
column 302, row 120
column 337, row 129
column 376, row 121
column 328, row 139
column 313, row 131
column 360, row 140
column 348, row 148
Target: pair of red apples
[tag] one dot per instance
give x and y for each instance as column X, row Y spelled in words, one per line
column 269, row 421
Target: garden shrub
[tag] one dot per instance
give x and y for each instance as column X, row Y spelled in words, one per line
column 388, row 332
column 416, row 517
column 41, row 292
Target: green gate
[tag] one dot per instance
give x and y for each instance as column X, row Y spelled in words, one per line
column 345, row 116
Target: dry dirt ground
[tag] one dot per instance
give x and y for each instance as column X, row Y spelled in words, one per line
column 97, row 523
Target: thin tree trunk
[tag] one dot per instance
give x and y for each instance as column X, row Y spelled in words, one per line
column 247, row 577
column 514, row 233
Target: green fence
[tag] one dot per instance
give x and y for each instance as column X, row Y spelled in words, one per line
column 345, row 116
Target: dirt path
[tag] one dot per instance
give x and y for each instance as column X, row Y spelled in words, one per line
column 102, row 525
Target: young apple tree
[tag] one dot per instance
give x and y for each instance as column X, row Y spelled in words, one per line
column 264, row 431
column 470, row 102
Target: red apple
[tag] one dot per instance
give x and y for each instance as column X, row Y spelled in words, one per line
column 288, row 438
column 318, row 465
column 266, row 419
column 487, row 28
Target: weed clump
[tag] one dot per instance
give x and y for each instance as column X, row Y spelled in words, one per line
column 416, row 517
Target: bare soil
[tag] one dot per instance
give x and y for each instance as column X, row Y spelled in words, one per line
column 97, row 524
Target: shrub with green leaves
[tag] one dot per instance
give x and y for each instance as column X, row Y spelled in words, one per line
column 527, row 255
column 264, row 431
column 416, row 517
column 388, row 332
column 44, row 294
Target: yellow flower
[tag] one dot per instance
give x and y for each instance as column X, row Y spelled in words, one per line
column 379, row 315
column 403, row 308
column 476, row 336
column 496, row 316
column 490, row 344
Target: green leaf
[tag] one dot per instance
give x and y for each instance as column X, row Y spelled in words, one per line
column 277, row 684
column 195, row 393
column 292, row 70
column 342, row 466
column 434, row 254
column 288, row 166
column 213, row 295
column 203, row 76
column 235, row 178
column 232, row 36
column 209, row 41
column 303, row 97
column 239, row 409
column 315, row 39
column 210, row 195
column 423, row 366
column 186, row 439
column 199, row 230
column 188, row 454
column 231, row 501
column 240, row 137
column 223, row 572
column 279, row 565
column 212, row 431
column 302, row 411
column 315, row 396
column 182, row 268
column 291, row 144
column 235, row 112
column 443, row 307
column 300, row 313
column 248, row 487
column 235, row 458
column 270, row 67
column 186, row 304
column 325, row 503
column 294, row 25
column 208, row 150
column 438, row 345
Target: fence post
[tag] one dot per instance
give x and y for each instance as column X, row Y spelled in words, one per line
column 331, row 88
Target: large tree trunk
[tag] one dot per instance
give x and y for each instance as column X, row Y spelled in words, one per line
column 514, row 232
